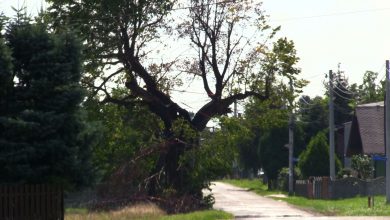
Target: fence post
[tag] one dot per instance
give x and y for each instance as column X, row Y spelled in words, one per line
column 310, row 194
column 325, row 187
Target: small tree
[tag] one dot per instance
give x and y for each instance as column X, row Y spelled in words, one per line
column 362, row 165
column 314, row 161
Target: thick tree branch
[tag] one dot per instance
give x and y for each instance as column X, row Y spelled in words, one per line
column 220, row 107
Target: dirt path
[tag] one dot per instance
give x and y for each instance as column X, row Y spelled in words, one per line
column 247, row 205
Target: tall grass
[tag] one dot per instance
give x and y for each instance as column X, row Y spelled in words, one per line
column 140, row 211
column 143, row 212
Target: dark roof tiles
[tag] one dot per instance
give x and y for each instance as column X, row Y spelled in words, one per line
column 371, row 126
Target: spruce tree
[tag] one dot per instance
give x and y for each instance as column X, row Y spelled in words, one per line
column 43, row 136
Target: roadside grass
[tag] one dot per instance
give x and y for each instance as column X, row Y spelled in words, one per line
column 357, row 206
column 142, row 212
column 139, row 212
column 201, row 215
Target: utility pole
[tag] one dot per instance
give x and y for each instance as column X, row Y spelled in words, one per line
column 387, row 130
column 331, row 128
column 291, row 147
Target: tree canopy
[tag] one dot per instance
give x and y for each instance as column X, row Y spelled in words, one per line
column 128, row 29
column 231, row 53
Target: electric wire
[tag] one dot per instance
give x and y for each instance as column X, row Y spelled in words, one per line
column 186, row 91
column 331, row 14
column 343, row 97
column 306, row 102
column 313, row 76
column 343, row 87
column 345, row 91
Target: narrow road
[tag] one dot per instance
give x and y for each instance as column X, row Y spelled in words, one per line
column 246, row 205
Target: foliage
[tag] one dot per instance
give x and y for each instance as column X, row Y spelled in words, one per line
column 124, row 132
column 143, row 212
column 283, row 177
column 362, row 164
column 343, row 99
column 273, row 153
column 312, row 116
column 314, row 161
column 43, row 134
column 215, row 155
column 120, row 48
column 371, row 89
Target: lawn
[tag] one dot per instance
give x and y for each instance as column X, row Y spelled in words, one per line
column 143, row 212
column 357, row 206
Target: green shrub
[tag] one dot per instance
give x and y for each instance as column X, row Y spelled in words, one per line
column 362, row 165
column 314, row 161
column 283, row 177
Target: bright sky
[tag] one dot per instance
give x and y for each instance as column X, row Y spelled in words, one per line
column 354, row 33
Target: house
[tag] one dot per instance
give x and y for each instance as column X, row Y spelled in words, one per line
column 367, row 134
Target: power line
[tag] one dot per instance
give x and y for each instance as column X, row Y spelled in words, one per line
column 344, row 90
column 343, row 97
column 186, row 91
column 331, row 14
column 203, row 5
column 313, row 76
column 306, row 102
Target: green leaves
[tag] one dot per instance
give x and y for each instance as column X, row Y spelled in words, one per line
column 362, row 164
column 314, row 161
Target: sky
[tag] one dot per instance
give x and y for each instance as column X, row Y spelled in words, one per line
column 354, row 33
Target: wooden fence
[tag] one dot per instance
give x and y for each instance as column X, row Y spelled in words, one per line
column 43, row 202
column 314, row 188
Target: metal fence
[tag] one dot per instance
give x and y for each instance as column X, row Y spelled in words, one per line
column 20, row 202
column 323, row 188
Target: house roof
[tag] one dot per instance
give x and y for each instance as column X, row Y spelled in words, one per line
column 370, row 118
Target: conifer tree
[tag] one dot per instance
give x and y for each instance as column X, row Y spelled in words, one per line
column 43, row 137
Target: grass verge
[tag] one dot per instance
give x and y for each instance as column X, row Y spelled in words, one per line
column 357, row 206
column 143, row 212
column 201, row 215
